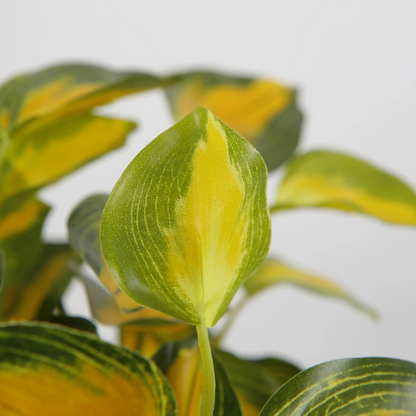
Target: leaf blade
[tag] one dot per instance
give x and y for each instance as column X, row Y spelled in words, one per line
column 274, row 271
column 155, row 252
column 85, row 375
column 262, row 111
column 349, row 386
column 335, row 180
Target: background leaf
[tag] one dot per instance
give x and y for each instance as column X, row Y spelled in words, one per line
column 357, row 386
column 177, row 254
column 35, row 294
column 64, row 89
column 335, row 180
column 273, row 272
column 46, row 369
column 255, row 381
column 43, row 152
column 262, row 111
column 182, row 365
column 84, row 235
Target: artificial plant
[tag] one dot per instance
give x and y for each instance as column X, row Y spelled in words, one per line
column 185, row 226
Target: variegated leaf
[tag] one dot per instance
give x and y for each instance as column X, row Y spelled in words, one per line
column 84, row 236
column 42, row 152
column 181, row 362
column 356, row 386
column 144, row 330
column 48, row 370
column 188, row 221
column 35, row 294
column 255, row 381
column 64, row 89
column 273, row 272
column 335, row 180
column 262, row 111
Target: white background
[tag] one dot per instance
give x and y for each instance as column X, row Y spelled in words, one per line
column 355, row 65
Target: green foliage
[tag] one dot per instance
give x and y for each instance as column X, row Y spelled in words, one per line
column 184, row 228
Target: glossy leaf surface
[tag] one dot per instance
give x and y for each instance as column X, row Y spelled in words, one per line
column 255, row 381
column 335, row 180
column 188, row 220
column 84, row 236
column 350, row 387
column 273, row 272
column 181, row 363
column 48, row 370
column 262, row 111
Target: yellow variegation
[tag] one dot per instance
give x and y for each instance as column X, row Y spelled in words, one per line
column 356, row 386
column 255, row 381
column 144, row 330
column 334, row 180
column 21, row 244
column 151, row 330
column 188, row 220
column 66, row 89
column 262, row 111
column 48, row 370
column 41, row 153
column 181, row 363
column 273, row 272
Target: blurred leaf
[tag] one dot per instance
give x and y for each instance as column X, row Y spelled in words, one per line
column 48, row 370
column 255, row 381
column 74, row 322
column 262, row 111
column 84, row 236
column 335, row 180
column 273, row 272
column 41, row 152
column 152, row 330
column 35, row 294
column 145, row 330
column 182, row 365
column 64, row 89
column 22, row 247
column 357, row 386
column 187, row 254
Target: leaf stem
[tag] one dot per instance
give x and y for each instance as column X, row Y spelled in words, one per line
column 208, row 400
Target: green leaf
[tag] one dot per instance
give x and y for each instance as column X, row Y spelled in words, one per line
column 84, row 235
column 74, row 322
column 335, row 180
column 148, row 329
column 255, row 381
column 48, row 370
column 181, row 363
column 145, row 330
column 35, row 294
column 43, row 152
column 349, row 387
column 273, row 272
column 66, row 89
column 188, row 221
column 262, row 111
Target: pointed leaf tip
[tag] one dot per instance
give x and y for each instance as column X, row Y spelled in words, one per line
column 188, row 220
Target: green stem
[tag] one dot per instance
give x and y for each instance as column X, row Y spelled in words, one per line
column 231, row 318
column 208, row 400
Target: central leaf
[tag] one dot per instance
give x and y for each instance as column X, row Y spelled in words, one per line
column 188, row 221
